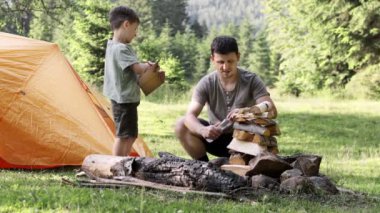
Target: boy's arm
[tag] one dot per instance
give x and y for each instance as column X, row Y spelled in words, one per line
column 140, row 68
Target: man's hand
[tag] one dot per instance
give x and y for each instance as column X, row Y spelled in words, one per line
column 232, row 115
column 210, row 132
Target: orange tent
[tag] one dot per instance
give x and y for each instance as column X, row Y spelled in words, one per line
column 48, row 116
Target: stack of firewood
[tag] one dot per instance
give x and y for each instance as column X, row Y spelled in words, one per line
column 254, row 134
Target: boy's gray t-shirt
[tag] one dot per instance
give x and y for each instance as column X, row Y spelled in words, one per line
column 120, row 82
column 209, row 91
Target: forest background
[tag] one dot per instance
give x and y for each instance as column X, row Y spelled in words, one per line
column 303, row 48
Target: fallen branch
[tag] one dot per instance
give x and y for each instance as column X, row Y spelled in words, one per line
column 130, row 181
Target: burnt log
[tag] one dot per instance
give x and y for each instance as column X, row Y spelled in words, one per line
column 168, row 170
column 194, row 174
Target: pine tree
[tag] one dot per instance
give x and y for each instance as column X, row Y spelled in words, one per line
column 260, row 60
column 245, row 40
column 88, row 42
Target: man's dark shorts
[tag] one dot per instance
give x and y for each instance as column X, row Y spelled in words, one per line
column 219, row 146
column 125, row 117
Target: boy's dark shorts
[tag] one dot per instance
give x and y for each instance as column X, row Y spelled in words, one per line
column 125, row 117
column 219, row 146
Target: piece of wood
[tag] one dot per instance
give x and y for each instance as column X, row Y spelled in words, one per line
column 237, row 159
column 247, row 148
column 237, row 169
column 269, row 165
column 264, row 122
column 261, row 140
column 101, row 165
column 274, row 150
column 272, row 141
column 242, row 135
column 122, row 182
column 274, row 130
column 252, row 128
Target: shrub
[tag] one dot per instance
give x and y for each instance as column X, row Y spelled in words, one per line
column 365, row 84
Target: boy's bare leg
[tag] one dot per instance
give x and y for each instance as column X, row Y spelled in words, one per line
column 123, row 146
column 190, row 142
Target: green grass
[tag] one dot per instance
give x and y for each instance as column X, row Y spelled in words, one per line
column 345, row 133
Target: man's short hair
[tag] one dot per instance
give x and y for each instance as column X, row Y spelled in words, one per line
column 120, row 14
column 224, row 45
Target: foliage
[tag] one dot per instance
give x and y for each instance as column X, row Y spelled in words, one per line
column 89, row 38
column 174, row 73
column 260, row 59
column 16, row 16
column 156, row 14
column 324, row 43
column 245, row 42
column 218, row 13
column 365, row 84
column 300, row 47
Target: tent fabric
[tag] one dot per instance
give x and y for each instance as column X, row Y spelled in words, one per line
column 48, row 116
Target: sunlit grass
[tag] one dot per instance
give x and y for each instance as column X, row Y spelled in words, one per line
column 345, row 133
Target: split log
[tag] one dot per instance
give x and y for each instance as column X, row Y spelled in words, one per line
column 274, row 130
column 252, row 128
column 243, row 135
column 246, row 147
column 261, row 140
column 237, row 169
column 309, row 164
column 237, row 159
column 264, row 122
column 269, row 165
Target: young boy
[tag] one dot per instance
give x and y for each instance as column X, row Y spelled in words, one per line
column 121, row 74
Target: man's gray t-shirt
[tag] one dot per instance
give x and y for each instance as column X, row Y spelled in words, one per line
column 120, row 82
column 209, row 91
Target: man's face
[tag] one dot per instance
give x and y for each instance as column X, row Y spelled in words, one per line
column 226, row 64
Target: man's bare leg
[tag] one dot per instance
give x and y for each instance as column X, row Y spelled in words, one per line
column 191, row 143
column 123, row 146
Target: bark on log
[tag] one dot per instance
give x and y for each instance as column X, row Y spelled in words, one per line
column 190, row 173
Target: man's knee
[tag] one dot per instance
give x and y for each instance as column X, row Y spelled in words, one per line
column 180, row 127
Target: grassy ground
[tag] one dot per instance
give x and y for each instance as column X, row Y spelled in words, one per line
column 345, row 133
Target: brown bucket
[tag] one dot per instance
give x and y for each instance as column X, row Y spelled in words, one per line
column 150, row 80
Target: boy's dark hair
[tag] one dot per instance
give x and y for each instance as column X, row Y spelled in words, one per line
column 120, row 14
column 224, row 45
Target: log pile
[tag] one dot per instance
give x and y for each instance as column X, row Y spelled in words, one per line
column 254, row 154
column 254, row 133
